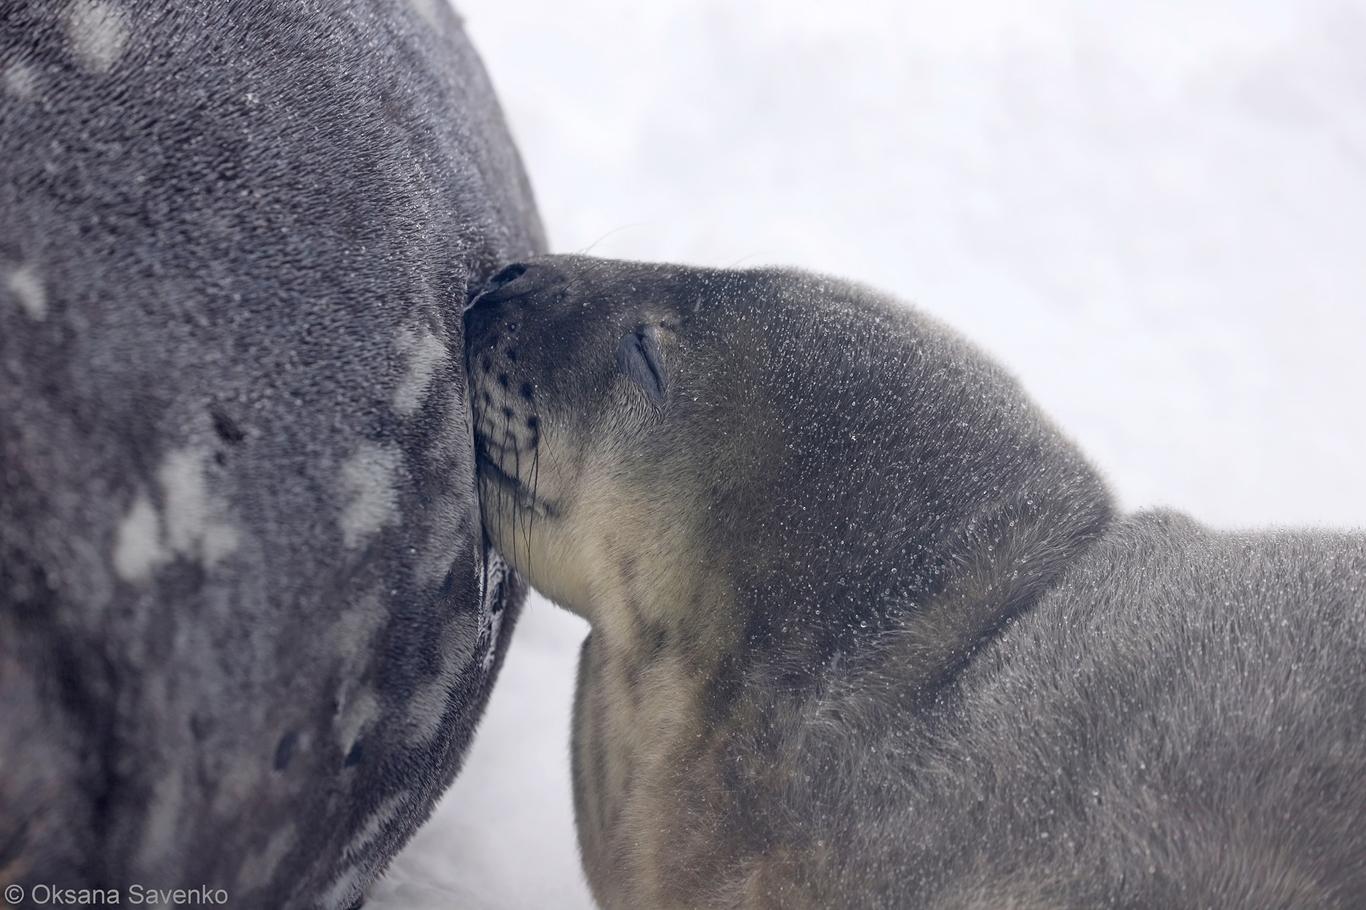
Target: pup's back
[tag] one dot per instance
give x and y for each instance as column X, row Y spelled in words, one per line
column 1181, row 722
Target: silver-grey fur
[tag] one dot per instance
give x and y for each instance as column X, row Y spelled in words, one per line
column 247, row 618
column 867, row 631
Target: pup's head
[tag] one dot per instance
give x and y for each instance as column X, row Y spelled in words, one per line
column 759, row 423
column 601, row 392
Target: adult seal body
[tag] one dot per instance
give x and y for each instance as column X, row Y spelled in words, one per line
column 867, row 630
column 247, row 618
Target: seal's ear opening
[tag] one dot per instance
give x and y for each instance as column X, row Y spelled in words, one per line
column 640, row 358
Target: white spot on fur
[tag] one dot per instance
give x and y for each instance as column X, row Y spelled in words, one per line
column 344, row 891
column 492, row 587
column 98, row 32
column 137, row 547
column 233, row 787
column 258, row 868
column 163, row 819
column 356, row 714
column 425, row 353
column 193, row 524
column 28, row 289
column 383, row 816
column 495, row 629
column 428, row 11
column 356, row 624
column 367, row 482
column 191, row 527
column 452, row 442
column 443, row 544
column 21, row 82
column 428, row 703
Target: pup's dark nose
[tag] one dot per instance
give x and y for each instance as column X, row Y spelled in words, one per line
column 516, row 280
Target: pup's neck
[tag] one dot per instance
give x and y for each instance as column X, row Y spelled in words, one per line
column 645, row 607
column 983, row 551
column 935, row 598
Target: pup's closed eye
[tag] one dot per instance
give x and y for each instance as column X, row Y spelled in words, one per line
column 641, row 360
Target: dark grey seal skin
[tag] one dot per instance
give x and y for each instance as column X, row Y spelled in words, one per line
column 867, row 630
column 247, row 621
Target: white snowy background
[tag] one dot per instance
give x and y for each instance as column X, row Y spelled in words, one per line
column 1154, row 213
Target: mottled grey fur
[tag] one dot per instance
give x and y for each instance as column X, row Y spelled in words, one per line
column 246, row 619
column 867, row 631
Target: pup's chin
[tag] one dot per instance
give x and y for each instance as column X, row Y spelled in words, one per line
column 507, row 490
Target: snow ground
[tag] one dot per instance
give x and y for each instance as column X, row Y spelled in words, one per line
column 1154, row 214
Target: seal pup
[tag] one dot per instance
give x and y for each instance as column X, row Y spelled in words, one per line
column 867, row 630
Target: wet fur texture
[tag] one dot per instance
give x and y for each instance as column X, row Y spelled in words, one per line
column 867, row 631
